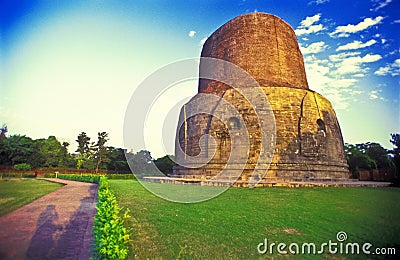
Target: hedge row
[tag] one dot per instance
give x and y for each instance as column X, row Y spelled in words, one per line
column 110, row 236
column 116, row 176
column 74, row 177
column 17, row 175
column 93, row 178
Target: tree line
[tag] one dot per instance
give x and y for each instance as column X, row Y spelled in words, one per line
column 24, row 153
column 96, row 155
column 372, row 156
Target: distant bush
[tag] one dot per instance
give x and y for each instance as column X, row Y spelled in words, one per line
column 22, row 167
column 92, row 178
column 110, row 235
column 17, row 175
column 120, row 176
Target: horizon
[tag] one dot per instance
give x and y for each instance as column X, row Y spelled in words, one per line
column 70, row 66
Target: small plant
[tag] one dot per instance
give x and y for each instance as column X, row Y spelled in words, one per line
column 110, row 235
column 22, row 167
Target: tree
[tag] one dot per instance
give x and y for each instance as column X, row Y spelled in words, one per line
column 83, row 143
column 85, row 153
column 165, row 164
column 395, row 152
column 117, row 160
column 21, row 149
column 67, row 160
column 3, row 132
column 3, row 155
column 357, row 159
column 140, row 162
column 100, row 150
column 51, row 151
column 379, row 154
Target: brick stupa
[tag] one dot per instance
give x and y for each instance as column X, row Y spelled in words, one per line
column 309, row 143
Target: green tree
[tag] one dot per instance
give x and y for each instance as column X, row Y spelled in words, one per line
column 165, row 164
column 85, row 155
column 395, row 152
column 358, row 159
column 22, row 167
column 83, row 143
column 51, row 151
column 3, row 136
column 21, row 149
column 100, row 150
column 140, row 162
column 67, row 160
column 117, row 160
column 3, row 132
column 379, row 154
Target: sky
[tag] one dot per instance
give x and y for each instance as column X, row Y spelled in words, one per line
column 72, row 66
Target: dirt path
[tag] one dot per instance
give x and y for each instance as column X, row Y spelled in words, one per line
column 55, row 226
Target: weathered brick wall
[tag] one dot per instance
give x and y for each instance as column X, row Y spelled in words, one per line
column 309, row 142
column 263, row 45
column 304, row 148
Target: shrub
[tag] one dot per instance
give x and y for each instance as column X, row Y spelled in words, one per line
column 17, row 175
column 110, row 235
column 116, row 176
column 92, row 178
column 22, row 167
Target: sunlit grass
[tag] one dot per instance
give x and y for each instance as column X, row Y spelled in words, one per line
column 14, row 193
column 234, row 223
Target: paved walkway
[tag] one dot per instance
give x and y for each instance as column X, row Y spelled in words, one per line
column 55, row 226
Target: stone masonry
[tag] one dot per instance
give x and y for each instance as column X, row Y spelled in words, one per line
column 309, row 143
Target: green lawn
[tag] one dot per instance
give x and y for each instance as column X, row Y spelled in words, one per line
column 234, row 223
column 15, row 193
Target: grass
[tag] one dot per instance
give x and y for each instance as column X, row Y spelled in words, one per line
column 234, row 223
column 14, row 193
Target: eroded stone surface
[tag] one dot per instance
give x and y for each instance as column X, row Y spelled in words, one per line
column 309, row 142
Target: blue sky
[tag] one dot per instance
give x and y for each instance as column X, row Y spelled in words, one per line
column 71, row 66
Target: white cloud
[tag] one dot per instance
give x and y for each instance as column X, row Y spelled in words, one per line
column 203, row 40
column 323, row 78
column 308, row 26
column 380, row 5
column 314, row 47
column 318, row 2
column 356, row 45
column 346, row 30
column 372, row 95
column 191, row 33
column 396, row 21
column 342, row 56
column 375, row 94
column 353, row 64
column 336, row 77
column 392, row 69
column 383, row 71
column 310, row 20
